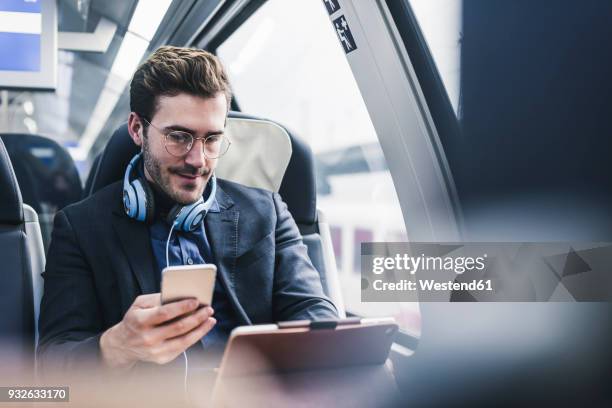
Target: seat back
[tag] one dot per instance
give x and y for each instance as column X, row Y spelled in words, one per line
column 17, row 327
column 47, row 176
column 263, row 154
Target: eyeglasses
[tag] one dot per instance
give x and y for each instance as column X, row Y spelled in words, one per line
column 179, row 143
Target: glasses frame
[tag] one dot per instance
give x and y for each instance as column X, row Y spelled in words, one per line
column 193, row 140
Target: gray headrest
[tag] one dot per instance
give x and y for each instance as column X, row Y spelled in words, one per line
column 11, row 206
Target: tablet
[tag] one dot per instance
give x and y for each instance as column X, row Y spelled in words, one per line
column 307, row 345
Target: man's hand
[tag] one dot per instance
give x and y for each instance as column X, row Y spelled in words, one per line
column 153, row 332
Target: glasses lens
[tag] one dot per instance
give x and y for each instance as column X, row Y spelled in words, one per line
column 178, row 143
column 216, row 146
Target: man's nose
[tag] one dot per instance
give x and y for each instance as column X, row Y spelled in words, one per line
column 195, row 157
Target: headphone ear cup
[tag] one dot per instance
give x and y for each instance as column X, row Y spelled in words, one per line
column 149, row 203
column 130, row 203
column 188, row 218
column 193, row 216
column 141, row 199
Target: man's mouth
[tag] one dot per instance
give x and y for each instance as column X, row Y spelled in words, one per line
column 188, row 176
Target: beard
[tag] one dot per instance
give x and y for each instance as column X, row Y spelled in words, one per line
column 162, row 180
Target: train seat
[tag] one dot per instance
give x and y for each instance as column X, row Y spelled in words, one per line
column 23, row 258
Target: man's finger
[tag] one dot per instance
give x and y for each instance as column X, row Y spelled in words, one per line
column 181, row 343
column 169, row 311
column 183, row 325
column 147, row 301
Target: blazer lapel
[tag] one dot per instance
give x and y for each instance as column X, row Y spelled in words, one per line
column 135, row 241
column 222, row 233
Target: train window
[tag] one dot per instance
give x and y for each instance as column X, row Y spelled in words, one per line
column 285, row 63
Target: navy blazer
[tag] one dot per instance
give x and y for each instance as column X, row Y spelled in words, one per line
column 100, row 260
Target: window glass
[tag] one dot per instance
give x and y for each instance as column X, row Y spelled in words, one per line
column 441, row 24
column 285, row 63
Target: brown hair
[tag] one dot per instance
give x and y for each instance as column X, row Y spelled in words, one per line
column 173, row 70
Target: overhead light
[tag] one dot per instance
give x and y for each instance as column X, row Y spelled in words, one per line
column 31, row 125
column 102, row 111
column 129, row 55
column 28, row 107
column 147, row 17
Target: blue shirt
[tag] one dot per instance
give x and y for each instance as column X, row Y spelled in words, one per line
column 187, row 248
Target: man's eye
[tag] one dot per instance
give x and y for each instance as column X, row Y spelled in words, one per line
column 179, row 137
column 212, row 139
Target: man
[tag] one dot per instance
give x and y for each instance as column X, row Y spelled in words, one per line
column 103, row 268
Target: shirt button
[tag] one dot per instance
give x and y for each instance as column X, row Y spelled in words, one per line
column 190, row 261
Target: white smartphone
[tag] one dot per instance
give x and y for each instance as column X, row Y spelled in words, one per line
column 188, row 281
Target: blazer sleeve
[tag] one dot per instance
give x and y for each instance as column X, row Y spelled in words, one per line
column 70, row 320
column 298, row 293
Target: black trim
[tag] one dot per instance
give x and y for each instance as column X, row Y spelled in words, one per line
column 177, row 24
column 323, row 324
column 308, row 229
column 402, row 338
column 235, row 22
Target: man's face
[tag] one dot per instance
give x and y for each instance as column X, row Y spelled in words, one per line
column 182, row 178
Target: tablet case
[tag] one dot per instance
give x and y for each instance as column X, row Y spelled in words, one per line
column 307, row 345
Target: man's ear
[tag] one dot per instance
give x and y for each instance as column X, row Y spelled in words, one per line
column 135, row 128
